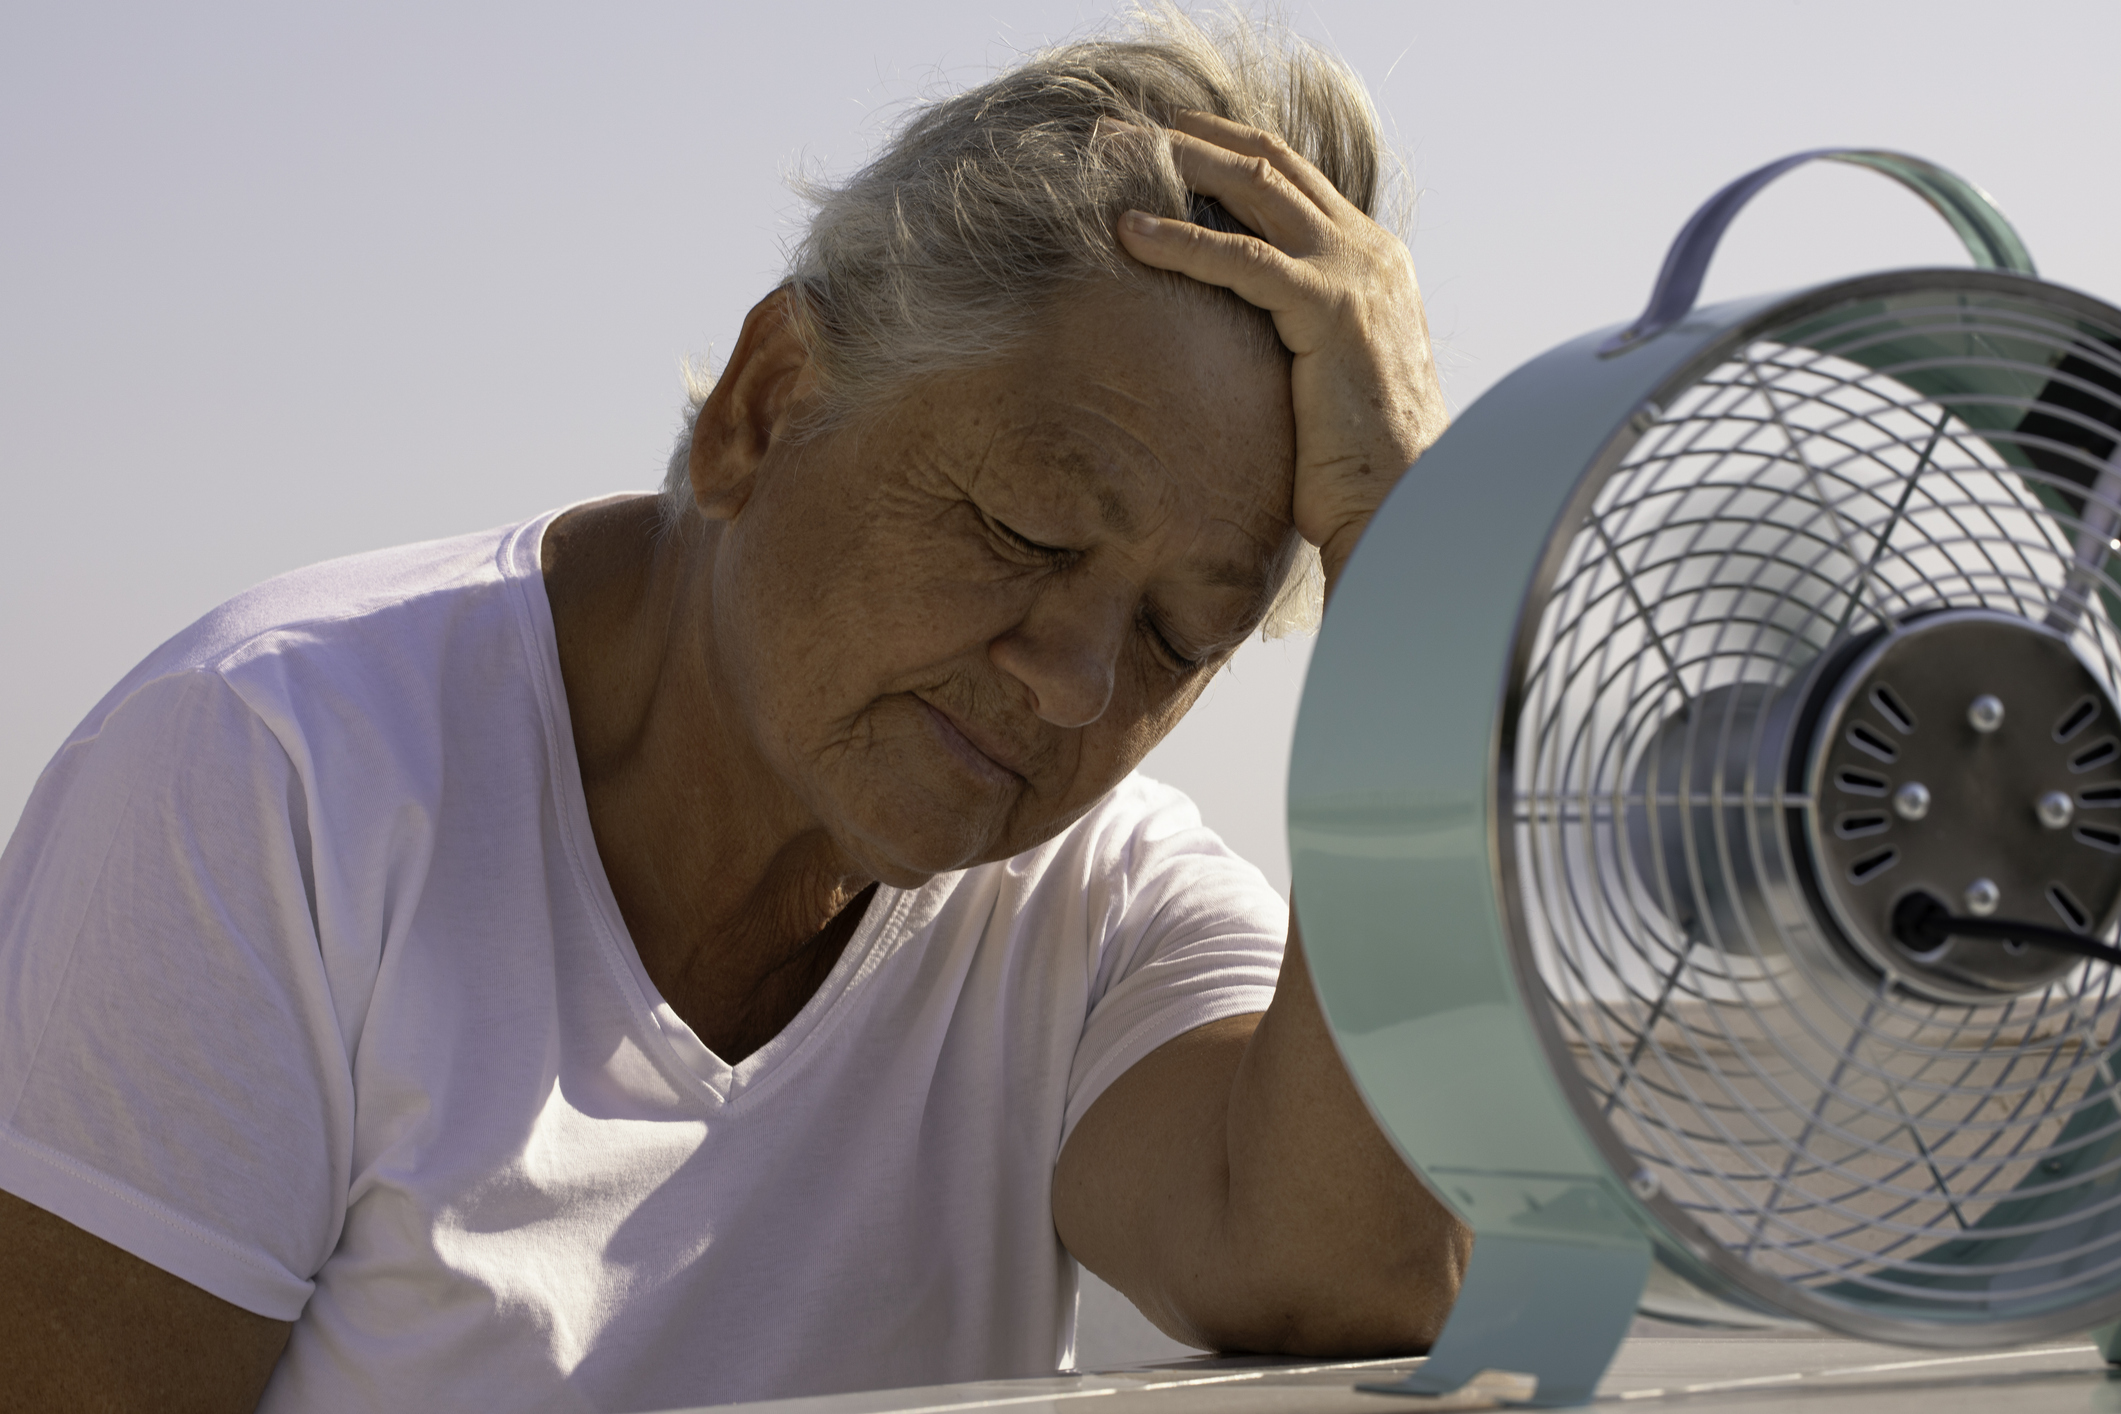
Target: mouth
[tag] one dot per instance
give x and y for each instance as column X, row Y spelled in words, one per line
column 982, row 754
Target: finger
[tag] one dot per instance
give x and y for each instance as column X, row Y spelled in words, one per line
column 1256, row 272
column 1293, row 165
column 1255, row 192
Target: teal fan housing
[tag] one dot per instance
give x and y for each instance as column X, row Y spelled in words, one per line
column 1695, row 654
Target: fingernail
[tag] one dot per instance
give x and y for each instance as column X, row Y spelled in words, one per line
column 1140, row 222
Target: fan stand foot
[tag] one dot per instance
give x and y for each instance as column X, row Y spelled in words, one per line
column 1551, row 1312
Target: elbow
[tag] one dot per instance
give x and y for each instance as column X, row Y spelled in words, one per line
column 1383, row 1303
column 1431, row 1293
column 1435, row 1284
column 1402, row 1309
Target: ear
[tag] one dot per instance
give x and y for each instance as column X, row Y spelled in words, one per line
column 767, row 378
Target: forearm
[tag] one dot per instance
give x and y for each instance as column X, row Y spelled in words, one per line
column 1328, row 1243
column 1233, row 1185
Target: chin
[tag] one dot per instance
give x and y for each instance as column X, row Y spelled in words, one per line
column 904, row 834
column 906, row 850
column 906, row 809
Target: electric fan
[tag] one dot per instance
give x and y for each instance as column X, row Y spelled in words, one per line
column 1706, row 815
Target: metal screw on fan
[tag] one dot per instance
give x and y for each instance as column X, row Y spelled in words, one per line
column 2055, row 809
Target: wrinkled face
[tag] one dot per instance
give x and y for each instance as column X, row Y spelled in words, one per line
column 952, row 629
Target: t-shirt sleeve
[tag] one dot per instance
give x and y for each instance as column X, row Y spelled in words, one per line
column 1189, row 933
column 172, row 1078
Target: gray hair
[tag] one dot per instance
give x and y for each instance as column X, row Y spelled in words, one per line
column 988, row 207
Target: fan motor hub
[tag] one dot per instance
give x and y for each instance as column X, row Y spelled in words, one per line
column 1971, row 755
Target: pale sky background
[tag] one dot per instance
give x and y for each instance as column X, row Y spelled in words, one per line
column 283, row 282
column 279, row 283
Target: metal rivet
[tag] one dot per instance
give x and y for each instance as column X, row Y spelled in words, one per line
column 2055, row 809
column 1982, row 896
column 1643, row 1184
column 1912, row 801
column 1985, row 713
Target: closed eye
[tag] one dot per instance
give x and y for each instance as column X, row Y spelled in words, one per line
column 1176, row 661
column 1022, row 544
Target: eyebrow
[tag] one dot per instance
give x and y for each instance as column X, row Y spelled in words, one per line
column 1118, row 517
column 1087, row 471
column 1233, row 574
column 1114, row 511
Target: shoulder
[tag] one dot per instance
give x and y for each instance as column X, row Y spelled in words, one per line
column 340, row 599
column 333, row 700
column 342, row 629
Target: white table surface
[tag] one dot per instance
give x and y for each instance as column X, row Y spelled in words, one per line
column 1660, row 1367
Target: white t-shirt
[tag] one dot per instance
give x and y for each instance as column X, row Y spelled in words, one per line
column 313, row 992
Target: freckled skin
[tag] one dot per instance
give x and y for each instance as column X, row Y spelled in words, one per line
column 937, row 636
column 930, row 638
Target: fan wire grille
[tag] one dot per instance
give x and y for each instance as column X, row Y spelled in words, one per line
column 1820, row 1132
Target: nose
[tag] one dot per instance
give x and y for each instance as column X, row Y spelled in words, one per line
column 1066, row 652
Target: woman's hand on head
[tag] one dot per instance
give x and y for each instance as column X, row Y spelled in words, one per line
column 1343, row 295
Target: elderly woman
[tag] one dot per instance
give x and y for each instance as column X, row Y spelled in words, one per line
column 712, row 946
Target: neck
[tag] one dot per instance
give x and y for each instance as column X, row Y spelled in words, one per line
column 727, row 883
